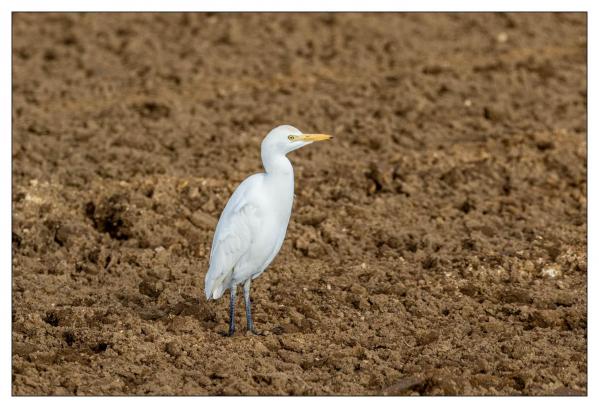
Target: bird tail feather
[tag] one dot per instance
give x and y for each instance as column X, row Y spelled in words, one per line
column 214, row 285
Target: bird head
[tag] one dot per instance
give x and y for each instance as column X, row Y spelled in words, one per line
column 284, row 139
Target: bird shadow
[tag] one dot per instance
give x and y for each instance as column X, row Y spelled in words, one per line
column 189, row 306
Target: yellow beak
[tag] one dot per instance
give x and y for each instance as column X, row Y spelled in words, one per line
column 315, row 137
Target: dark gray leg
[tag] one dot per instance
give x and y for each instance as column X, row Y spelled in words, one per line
column 233, row 291
column 248, row 307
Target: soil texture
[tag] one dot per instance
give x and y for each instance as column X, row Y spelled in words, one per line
column 437, row 244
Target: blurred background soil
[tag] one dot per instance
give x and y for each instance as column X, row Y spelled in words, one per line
column 437, row 245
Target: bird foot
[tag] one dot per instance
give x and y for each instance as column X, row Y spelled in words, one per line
column 255, row 332
column 227, row 333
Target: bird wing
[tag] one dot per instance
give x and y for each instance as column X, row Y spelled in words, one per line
column 233, row 237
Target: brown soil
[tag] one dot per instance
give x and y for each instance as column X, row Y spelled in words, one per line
column 437, row 245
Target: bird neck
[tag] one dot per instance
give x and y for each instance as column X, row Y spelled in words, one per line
column 277, row 164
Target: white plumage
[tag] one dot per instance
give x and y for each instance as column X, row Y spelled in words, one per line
column 252, row 227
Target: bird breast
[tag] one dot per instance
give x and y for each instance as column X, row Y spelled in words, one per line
column 272, row 204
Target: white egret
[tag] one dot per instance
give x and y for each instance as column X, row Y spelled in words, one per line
column 251, row 228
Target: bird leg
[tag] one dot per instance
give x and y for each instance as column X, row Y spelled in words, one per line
column 233, row 291
column 248, row 307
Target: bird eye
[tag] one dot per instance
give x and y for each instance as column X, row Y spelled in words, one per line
column 291, row 138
